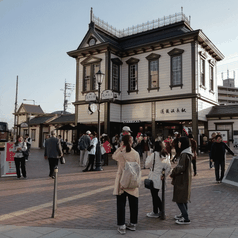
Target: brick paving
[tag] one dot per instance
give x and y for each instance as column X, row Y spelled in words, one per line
column 85, row 200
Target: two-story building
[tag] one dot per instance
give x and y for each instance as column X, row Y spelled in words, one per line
column 163, row 71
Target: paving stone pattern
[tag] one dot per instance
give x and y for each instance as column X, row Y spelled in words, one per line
column 85, row 200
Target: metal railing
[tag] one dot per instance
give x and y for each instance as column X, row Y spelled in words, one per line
column 149, row 25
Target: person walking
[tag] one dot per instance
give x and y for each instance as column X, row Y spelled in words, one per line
column 157, row 161
column 209, row 148
column 92, row 152
column 194, row 151
column 168, row 145
column 105, row 148
column 125, row 152
column 19, row 158
column 218, row 157
column 53, row 151
column 28, row 141
column 83, row 144
column 146, row 146
column 181, row 179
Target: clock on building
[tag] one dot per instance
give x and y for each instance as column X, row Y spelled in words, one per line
column 92, row 41
column 92, row 107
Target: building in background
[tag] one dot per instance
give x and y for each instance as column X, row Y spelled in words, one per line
column 228, row 93
column 163, row 72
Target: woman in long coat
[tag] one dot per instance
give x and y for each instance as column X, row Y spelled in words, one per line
column 181, row 179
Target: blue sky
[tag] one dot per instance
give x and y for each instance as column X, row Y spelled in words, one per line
column 36, row 34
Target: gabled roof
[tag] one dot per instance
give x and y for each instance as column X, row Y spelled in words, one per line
column 30, row 109
column 223, row 111
column 41, row 119
column 67, row 118
column 168, row 35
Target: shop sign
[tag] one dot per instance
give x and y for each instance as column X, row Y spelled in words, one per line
column 90, row 97
column 107, row 94
column 174, row 110
column 7, row 160
column 136, row 121
column 24, row 124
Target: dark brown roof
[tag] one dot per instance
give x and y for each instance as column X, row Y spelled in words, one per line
column 33, row 109
column 40, row 120
column 223, row 110
column 68, row 118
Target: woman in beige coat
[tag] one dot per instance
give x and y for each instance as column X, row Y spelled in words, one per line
column 125, row 152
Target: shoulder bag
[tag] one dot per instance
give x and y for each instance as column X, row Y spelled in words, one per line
column 148, row 182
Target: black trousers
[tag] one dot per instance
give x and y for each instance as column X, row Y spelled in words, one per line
column 52, row 163
column 194, row 162
column 121, row 208
column 219, row 165
column 91, row 159
column 157, row 203
column 20, row 162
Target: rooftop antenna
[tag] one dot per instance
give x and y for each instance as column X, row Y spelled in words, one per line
column 228, row 73
column 182, row 10
column 222, row 76
column 91, row 15
column 234, row 74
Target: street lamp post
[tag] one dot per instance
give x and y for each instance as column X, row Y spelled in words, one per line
column 99, row 78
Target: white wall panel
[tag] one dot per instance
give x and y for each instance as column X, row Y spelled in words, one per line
column 85, row 117
column 174, row 110
column 140, row 111
column 115, row 112
column 164, row 74
column 203, row 109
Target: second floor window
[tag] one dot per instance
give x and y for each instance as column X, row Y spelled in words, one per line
column 153, row 60
column 89, row 79
column 211, row 77
column 202, row 73
column 176, row 79
column 176, row 71
column 133, row 77
column 116, row 62
column 132, row 74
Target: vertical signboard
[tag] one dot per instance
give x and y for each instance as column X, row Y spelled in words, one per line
column 7, row 160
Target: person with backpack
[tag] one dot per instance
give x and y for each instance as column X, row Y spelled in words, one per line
column 157, row 161
column 125, row 153
column 83, row 144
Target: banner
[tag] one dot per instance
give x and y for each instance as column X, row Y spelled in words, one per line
column 7, row 160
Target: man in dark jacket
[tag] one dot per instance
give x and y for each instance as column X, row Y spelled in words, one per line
column 53, row 152
column 218, row 156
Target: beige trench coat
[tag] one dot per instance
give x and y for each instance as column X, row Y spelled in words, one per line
column 132, row 156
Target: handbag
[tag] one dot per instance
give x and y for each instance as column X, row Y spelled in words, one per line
column 148, row 182
column 62, row 160
column 25, row 153
column 90, row 147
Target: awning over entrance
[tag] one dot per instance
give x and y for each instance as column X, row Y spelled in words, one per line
column 67, row 127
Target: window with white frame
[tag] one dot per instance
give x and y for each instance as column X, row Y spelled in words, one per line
column 176, row 68
column 132, row 74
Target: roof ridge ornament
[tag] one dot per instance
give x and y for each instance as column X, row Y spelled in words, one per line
column 91, row 14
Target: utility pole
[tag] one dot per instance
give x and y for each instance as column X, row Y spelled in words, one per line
column 68, row 89
column 15, row 111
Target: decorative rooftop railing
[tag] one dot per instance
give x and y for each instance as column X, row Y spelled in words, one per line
column 177, row 17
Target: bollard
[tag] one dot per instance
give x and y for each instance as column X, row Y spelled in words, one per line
column 55, row 192
column 163, row 200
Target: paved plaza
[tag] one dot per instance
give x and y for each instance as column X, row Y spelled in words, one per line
column 87, row 208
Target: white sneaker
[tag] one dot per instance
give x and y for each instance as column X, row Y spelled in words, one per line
column 177, row 217
column 153, row 215
column 122, row 229
column 131, row 226
column 182, row 221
